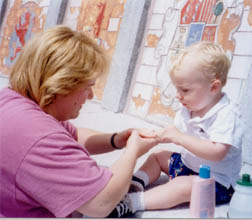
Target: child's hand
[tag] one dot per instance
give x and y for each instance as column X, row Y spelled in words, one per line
column 168, row 134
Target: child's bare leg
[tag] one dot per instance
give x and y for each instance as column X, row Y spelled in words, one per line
column 176, row 191
column 158, row 161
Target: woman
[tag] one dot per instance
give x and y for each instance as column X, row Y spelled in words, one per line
column 46, row 168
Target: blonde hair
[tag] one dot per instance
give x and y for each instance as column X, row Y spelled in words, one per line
column 211, row 58
column 56, row 61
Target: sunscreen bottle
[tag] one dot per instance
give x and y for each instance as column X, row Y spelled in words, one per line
column 241, row 202
column 202, row 204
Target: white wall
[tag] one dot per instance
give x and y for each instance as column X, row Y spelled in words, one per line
column 3, row 81
column 246, row 111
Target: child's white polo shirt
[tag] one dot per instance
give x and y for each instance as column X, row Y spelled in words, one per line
column 221, row 124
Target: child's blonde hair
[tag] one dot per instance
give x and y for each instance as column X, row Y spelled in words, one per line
column 211, row 58
column 56, row 61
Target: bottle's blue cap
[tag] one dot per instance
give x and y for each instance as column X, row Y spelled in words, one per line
column 204, row 171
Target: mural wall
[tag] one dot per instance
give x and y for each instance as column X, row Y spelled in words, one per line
column 171, row 25
column 175, row 24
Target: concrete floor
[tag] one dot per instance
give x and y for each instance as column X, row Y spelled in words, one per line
column 93, row 116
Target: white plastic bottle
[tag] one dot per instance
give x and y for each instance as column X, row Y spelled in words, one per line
column 241, row 202
column 202, row 204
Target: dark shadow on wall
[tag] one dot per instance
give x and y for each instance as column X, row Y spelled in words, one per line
column 3, row 6
column 62, row 11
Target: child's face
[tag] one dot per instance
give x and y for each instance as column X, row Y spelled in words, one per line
column 194, row 91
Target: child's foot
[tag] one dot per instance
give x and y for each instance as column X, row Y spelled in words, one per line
column 136, row 185
column 122, row 210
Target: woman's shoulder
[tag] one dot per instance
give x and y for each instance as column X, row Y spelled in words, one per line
column 25, row 118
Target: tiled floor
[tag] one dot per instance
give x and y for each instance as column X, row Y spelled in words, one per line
column 93, row 116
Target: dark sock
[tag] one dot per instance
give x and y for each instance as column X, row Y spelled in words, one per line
column 134, row 178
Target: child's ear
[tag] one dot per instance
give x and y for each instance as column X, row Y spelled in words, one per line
column 216, row 86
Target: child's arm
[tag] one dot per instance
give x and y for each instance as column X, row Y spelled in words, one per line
column 205, row 149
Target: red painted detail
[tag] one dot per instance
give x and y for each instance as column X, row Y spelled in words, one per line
column 99, row 19
column 21, row 30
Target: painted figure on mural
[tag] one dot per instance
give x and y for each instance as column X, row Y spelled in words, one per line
column 23, row 19
column 171, row 22
column 95, row 18
column 21, row 34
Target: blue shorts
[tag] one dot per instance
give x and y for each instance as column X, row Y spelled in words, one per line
column 177, row 168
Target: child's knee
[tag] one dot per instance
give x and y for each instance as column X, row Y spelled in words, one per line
column 162, row 154
column 155, row 155
column 161, row 158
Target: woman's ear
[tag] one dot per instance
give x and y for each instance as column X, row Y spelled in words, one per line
column 216, row 86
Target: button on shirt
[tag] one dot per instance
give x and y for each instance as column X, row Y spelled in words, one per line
column 221, row 124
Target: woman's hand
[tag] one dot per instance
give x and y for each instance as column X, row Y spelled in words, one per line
column 139, row 143
column 122, row 137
